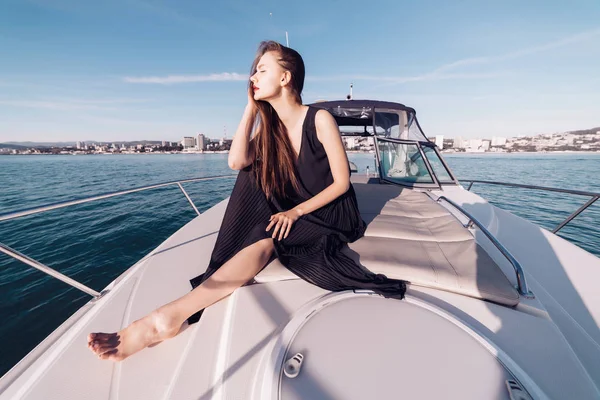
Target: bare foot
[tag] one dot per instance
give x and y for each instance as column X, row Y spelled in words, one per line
column 155, row 327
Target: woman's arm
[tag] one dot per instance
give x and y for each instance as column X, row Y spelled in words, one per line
column 240, row 153
column 329, row 135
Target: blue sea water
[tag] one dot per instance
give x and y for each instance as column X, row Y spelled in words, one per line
column 95, row 242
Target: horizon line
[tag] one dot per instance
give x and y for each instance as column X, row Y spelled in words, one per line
column 176, row 141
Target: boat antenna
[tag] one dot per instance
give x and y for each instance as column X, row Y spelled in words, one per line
column 287, row 40
column 349, row 97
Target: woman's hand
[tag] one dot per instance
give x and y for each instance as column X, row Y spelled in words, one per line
column 283, row 222
column 251, row 104
column 241, row 153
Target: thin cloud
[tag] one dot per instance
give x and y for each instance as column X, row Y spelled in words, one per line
column 169, row 79
column 68, row 104
column 580, row 37
column 437, row 74
column 442, row 74
column 405, row 79
column 52, row 105
column 227, row 77
column 119, row 100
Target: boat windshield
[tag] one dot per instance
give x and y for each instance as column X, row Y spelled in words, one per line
column 405, row 155
column 402, row 163
column 439, row 169
column 398, row 124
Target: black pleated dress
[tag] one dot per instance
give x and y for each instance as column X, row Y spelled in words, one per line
column 312, row 248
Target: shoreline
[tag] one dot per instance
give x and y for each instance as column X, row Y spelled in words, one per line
column 461, row 154
column 147, row 153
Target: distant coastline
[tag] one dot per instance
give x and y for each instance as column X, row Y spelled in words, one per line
column 582, row 141
column 445, row 153
column 116, row 154
column 147, row 153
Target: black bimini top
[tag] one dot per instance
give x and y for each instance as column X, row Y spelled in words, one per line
column 361, row 112
column 329, row 105
column 382, row 116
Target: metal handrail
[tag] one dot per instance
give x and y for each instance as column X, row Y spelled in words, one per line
column 36, row 264
column 522, row 287
column 49, row 271
column 594, row 196
column 23, row 213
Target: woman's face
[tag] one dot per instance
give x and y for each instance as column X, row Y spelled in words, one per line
column 269, row 78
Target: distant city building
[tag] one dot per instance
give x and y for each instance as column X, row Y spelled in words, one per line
column 81, row 145
column 498, row 141
column 188, row 142
column 165, row 143
column 201, row 142
column 473, row 145
column 459, row 143
column 367, row 144
column 223, row 141
column 439, row 141
column 351, row 142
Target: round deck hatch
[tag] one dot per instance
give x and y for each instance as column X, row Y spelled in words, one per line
column 368, row 347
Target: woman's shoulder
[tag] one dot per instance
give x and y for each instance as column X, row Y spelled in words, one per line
column 323, row 118
column 325, row 124
column 320, row 112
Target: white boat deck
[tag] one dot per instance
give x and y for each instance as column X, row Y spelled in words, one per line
column 551, row 343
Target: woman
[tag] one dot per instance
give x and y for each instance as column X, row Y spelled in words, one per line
column 292, row 199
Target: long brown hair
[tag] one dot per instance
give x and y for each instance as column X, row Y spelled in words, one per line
column 274, row 155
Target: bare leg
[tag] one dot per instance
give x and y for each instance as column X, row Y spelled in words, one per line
column 166, row 321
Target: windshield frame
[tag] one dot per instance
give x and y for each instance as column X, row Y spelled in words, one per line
column 349, row 112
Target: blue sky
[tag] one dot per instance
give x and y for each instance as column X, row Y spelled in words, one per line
column 140, row 69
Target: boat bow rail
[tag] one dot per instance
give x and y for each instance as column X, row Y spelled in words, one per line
column 71, row 282
column 593, row 196
column 522, row 287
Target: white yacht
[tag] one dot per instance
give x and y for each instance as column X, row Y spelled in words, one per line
column 497, row 307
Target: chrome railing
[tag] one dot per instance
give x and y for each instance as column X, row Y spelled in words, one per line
column 593, row 196
column 522, row 287
column 49, row 271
